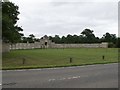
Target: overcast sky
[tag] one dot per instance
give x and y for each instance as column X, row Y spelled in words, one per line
column 62, row 17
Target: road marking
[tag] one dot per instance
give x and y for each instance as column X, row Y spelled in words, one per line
column 68, row 78
column 51, row 79
column 0, row 84
column 62, row 79
column 76, row 77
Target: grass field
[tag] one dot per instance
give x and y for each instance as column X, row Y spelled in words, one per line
column 42, row 58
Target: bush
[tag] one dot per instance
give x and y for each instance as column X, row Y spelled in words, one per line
column 111, row 45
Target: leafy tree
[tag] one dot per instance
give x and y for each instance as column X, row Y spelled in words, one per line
column 87, row 32
column 75, row 39
column 106, row 37
column 31, row 38
column 81, row 39
column 63, row 39
column 57, row 39
column 109, row 37
column 10, row 31
column 36, row 40
column 118, row 42
column 51, row 38
column 89, row 37
column 69, row 38
column 24, row 40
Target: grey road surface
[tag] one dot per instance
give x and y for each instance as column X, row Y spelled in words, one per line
column 91, row 76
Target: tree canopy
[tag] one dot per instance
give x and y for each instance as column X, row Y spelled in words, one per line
column 87, row 36
column 10, row 30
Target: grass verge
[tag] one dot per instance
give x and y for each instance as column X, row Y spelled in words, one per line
column 50, row 58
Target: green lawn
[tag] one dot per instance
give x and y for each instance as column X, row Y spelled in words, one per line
column 41, row 58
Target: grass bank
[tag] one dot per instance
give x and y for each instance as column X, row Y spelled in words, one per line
column 47, row 58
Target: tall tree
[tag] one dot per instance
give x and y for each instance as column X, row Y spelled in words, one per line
column 75, row 39
column 69, row 38
column 109, row 38
column 10, row 30
column 63, row 39
column 57, row 39
column 31, row 38
column 88, row 35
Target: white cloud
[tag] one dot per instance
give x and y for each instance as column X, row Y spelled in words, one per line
column 64, row 17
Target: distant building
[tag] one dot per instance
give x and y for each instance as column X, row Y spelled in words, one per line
column 45, row 42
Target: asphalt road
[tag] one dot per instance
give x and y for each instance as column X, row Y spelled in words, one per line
column 91, row 76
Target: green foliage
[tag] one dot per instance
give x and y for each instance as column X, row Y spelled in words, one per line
column 58, row 57
column 88, row 33
column 56, row 39
column 118, row 43
column 10, row 31
column 111, row 45
column 30, row 39
column 87, row 36
column 109, row 38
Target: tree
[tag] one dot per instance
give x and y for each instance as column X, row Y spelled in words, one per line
column 63, row 39
column 31, row 38
column 88, row 35
column 81, row 39
column 75, row 39
column 10, row 31
column 57, row 39
column 24, row 39
column 69, row 38
column 109, row 38
column 118, row 42
column 87, row 32
column 51, row 38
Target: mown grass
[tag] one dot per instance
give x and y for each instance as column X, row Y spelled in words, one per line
column 44, row 58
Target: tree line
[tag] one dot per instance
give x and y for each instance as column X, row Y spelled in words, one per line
column 87, row 36
column 11, row 32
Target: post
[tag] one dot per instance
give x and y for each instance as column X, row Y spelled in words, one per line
column 103, row 57
column 23, row 61
column 70, row 59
